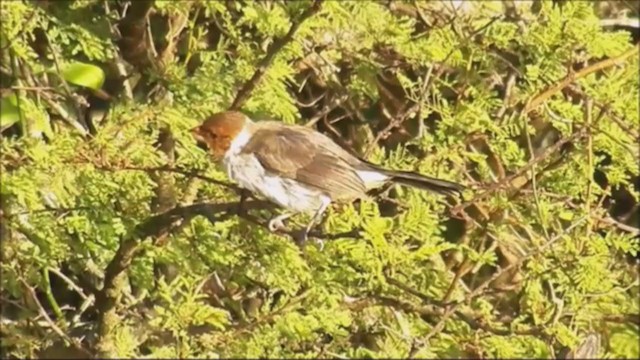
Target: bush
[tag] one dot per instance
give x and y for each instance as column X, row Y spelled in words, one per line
column 121, row 238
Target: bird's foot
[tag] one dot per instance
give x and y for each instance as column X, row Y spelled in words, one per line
column 244, row 194
column 302, row 236
column 277, row 223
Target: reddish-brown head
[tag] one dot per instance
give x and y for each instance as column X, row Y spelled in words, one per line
column 219, row 130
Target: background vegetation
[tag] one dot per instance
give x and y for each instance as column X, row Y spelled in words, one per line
column 121, row 239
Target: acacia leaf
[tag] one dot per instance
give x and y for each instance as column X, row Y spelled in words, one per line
column 82, row 74
column 9, row 111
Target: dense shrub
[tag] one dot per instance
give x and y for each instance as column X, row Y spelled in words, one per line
column 121, row 238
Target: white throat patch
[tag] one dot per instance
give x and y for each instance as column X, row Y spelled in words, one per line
column 240, row 141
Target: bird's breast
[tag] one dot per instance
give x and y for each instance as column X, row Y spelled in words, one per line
column 246, row 170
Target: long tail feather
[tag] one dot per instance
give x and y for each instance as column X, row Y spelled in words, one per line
column 423, row 182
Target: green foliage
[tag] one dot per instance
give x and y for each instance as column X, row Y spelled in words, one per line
column 540, row 255
column 10, row 113
column 86, row 75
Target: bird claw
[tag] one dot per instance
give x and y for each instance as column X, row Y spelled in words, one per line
column 276, row 224
column 303, row 236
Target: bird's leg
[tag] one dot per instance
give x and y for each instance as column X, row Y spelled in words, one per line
column 277, row 222
column 316, row 219
column 244, row 194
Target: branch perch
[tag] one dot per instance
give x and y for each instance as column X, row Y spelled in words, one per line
column 162, row 225
column 155, row 226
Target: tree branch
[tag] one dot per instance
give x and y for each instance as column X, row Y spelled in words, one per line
column 499, row 185
column 166, row 168
column 273, row 50
column 75, row 343
column 155, row 226
column 573, row 76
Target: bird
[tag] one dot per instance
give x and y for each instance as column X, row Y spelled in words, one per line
column 297, row 167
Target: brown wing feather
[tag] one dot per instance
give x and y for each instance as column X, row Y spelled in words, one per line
column 298, row 154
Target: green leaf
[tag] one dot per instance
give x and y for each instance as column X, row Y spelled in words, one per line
column 82, row 74
column 9, row 111
column 624, row 342
column 42, row 123
column 36, row 120
column 566, row 215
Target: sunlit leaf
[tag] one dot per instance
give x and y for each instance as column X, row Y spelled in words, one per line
column 82, row 74
column 9, row 111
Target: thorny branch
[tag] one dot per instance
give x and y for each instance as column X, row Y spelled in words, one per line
column 274, row 48
column 74, row 342
column 155, row 226
column 160, row 226
column 165, row 168
column 507, row 181
column 452, row 308
column 573, row 76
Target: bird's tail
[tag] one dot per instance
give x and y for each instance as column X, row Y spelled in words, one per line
column 423, row 182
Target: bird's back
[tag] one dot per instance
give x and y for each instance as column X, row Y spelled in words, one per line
column 307, row 156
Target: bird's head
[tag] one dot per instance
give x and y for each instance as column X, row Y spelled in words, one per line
column 217, row 133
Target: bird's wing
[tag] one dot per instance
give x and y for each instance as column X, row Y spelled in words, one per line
column 298, row 154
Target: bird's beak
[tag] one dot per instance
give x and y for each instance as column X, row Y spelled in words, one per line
column 195, row 132
column 202, row 144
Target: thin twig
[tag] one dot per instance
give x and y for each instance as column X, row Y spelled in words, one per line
column 507, row 180
column 623, row 124
column 588, row 106
column 272, row 315
column 605, row 111
column 65, row 115
column 66, row 86
column 452, row 309
column 335, row 102
column 573, row 76
column 403, row 115
column 69, row 282
column 608, row 220
column 74, row 342
column 54, row 210
column 312, row 102
column 534, row 182
column 120, row 67
column 188, row 173
column 273, row 50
